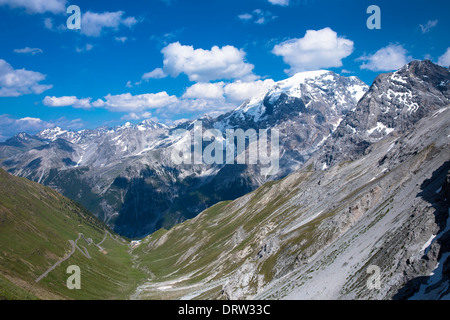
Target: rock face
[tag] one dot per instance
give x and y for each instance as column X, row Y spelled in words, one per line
column 126, row 177
column 373, row 227
column 394, row 102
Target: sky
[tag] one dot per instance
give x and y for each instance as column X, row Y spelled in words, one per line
column 172, row 60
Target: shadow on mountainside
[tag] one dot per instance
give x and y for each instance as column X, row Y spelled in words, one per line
column 413, row 289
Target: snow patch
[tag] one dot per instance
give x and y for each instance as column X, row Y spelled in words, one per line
column 380, row 127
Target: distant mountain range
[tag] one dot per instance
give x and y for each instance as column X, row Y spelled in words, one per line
column 125, row 176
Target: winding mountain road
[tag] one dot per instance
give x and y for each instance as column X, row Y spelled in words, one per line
column 84, row 252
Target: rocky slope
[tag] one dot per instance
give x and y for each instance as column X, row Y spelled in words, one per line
column 320, row 234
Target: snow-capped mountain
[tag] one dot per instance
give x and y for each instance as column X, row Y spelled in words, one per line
column 125, row 174
column 321, row 93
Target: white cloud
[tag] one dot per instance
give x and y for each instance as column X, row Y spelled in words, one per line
column 388, row 58
column 37, row 6
column 238, row 92
column 230, row 93
column 444, row 60
column 60, row 101
column 93, row 24
column 117, row 103
column 158, row 73
column 136, row 103
column 428, row 26
column 215, row 98
column 66, row 101
column 28, row 50
column 205, row 91
column 316, row 50
column 258, row 16
column 202, row 65
column 280, row 2
column 17, row 82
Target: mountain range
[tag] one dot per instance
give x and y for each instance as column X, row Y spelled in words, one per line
column 358, row 210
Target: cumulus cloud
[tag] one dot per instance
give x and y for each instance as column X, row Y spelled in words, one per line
column 28, row 50
column 258, row 16
column 233, row 93
column 18, row 82
column 389, row 58
column 428, row 26
column 444, row 60
column 66, row 101
column 93, row 24
column 118, row 103
column 205, row 91
column 202, row 65
column 135, row 103
column 316, row 50
column 214, row 99
column 37, row 6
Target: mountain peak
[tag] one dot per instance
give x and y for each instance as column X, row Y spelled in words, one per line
column 51, row 133
column 396, row 101
column 314, row 90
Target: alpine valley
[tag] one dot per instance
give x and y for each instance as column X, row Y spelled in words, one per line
column 363, row 184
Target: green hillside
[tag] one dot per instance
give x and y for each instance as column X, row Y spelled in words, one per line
column 36, row 227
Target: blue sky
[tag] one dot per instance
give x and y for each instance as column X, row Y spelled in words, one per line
column 178, row 59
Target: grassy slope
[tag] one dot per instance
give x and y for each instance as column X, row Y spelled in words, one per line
column 36, row 224
column 192, row 249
